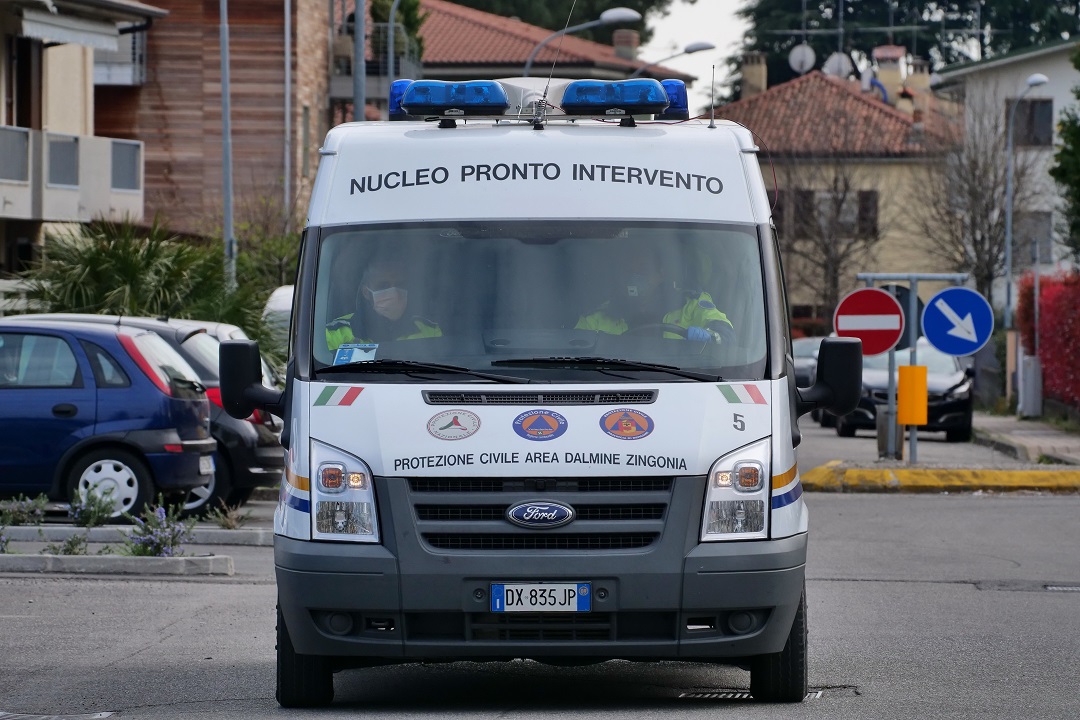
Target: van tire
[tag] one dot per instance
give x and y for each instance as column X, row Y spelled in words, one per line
column 119, row 470
column 782, row 676
column 303, row 681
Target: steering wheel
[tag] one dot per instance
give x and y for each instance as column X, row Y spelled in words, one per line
column 658, row 328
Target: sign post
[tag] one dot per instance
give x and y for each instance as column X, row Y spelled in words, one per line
column 913, row 282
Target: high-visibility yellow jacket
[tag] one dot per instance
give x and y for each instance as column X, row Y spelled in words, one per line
column 340, row 331
column 699, row 310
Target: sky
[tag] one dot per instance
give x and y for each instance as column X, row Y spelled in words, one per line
column 711, row 21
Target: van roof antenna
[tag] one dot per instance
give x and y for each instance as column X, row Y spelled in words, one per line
column 541, row 105
column 712, row 100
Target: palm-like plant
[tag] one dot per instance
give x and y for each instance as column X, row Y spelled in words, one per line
column 119, row 268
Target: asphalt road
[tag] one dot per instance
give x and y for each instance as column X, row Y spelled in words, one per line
column 920, row 607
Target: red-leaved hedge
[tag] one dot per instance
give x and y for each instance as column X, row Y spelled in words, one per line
column 1059, row 331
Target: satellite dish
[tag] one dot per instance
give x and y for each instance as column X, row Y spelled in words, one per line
column 838, row 65
column 801, row 58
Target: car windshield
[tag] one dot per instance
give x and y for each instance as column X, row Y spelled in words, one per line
column 936, row 362
column 508, row 297
column 203, row 351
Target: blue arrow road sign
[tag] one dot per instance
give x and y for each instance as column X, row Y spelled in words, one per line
column 958, row 321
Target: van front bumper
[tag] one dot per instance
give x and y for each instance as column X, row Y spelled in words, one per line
column 724, row 601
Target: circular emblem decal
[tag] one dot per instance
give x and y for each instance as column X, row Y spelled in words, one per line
column 540, row 425
column 540, row 514
column 453, row 424
column 626, row 424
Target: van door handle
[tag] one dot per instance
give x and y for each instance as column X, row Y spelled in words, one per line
column 65, row 410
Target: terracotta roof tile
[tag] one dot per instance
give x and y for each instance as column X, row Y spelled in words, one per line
column 458, row 35
column 819, row 116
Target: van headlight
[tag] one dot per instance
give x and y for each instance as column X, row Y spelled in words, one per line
column 737, row 495
column 343, row 496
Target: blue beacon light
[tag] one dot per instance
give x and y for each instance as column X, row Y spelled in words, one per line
column 454, row 99
column 640, row 96
column 397, row 92
column 678, row 104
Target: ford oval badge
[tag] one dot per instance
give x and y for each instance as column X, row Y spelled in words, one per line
column 540, row 514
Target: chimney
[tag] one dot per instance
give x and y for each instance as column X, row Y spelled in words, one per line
column 905, row 103
column 626, row 43
column 888, row 59
column 755, row 74
column 919, row 77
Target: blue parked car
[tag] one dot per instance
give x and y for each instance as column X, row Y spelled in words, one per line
column 99, row 407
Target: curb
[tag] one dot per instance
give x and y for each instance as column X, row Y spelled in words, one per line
column 835, row 477
column 116, row 565
column 260, row 537
column 1018, row 450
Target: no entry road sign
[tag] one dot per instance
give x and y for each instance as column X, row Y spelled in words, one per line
column 874, row 316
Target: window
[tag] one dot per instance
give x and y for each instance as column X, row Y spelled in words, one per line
column 801, row 214
column 37, row 361
column 1034, row 122
column 126, row 165
column 107, row 372
column 1033, row 232
column 63, row 160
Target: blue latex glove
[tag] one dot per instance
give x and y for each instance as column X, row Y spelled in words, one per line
column 699, row 334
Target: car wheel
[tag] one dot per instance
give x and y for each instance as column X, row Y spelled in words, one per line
column 782, row 676
column 962, row 434
column 815, row 415
column 302, row 680
column 827, row 419
column 118, row 472
column 239, row 496
column 844, row 429
column 201, row 499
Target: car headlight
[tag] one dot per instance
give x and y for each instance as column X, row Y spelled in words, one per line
column 737, row 495
column 343, row 496
column 960, row 392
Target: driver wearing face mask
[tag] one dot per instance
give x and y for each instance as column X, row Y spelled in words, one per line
column 381, row 304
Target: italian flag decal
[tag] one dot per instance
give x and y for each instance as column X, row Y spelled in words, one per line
column 743, row 394
column 338, row 395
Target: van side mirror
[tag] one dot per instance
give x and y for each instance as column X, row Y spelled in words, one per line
column 838, row 385
column 242, row 391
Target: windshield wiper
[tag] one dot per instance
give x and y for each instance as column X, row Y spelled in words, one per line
column 388, row 365
column 606, row 363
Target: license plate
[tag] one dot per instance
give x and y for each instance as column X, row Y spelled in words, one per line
column 541, row 597
column 206, row 464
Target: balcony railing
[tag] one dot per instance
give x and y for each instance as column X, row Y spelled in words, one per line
column 69, row 178
column 406, row 63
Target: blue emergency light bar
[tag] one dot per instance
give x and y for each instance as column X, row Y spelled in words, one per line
column 454, row 99
column 640, row 96
column 397, row 92
column 678, row 105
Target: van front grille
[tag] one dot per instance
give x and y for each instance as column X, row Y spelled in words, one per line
column 542, row 485
column 540, row 541
column 540, row 399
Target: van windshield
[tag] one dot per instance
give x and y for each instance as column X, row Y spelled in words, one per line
column 542, row 300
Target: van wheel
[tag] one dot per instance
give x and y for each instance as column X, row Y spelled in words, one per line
column 117, row 472
column 782, row 676
column 302, row 680
column 201, row 499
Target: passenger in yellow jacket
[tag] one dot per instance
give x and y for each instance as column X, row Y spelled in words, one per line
column 381, row 316
column 645, row 295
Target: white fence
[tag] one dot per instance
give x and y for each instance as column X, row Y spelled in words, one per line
column 13, row 297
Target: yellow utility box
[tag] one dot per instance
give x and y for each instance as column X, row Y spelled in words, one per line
column 911, row 397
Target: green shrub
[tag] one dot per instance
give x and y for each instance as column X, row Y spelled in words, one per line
column 160, row 532
column 23, row 510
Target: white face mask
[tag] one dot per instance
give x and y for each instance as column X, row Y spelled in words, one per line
column 390, row 303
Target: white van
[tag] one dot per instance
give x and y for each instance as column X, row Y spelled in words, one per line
column 540, row 399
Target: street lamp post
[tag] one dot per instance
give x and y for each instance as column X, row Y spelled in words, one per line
column 689, row 49
column 1033, row 81
column 611, row 16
